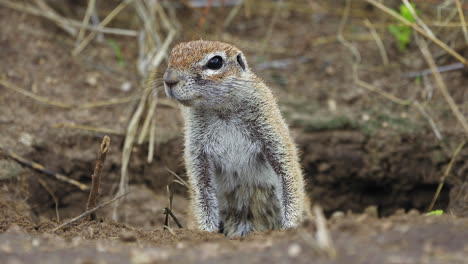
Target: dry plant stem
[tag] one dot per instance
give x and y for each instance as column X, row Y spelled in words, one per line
column 271, row 27
column 50, row 102
column 166, row 218
column 127, row 149
column 441, row 85
column 169, row 229
column 38, row 98
column 433, row 125
column 151, row 140
column 104, row 22
column 374, row 89
column 357, row 60
column 89, row 128
column 38, row 167
column 85, row 22
column 419, row 30
column 111, row 101
column 65, row 21
column 184, row 183
column 51, row 13
column 133, row 124
column 96, row 178
column 354, row 51
column 322, row 236
column 148, row 119
column 232, row 14
column 462, row 19
column 54, row 197
column 446, row 174
column 168, row 211
column 148, row 23
column 378, row 41
column 88, row 212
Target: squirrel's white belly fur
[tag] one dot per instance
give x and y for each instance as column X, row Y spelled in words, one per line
column 238, row 159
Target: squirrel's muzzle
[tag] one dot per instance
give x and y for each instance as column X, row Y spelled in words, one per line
column 171, row 78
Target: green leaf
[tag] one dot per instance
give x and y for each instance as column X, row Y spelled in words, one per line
column 117, row 51
column 436, row 212
column 406, row 13
column 402, row 32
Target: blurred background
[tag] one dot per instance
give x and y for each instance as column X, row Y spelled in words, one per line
column 375, row 93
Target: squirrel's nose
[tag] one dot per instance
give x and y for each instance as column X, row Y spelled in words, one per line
column 171, row 79
column 171, row 83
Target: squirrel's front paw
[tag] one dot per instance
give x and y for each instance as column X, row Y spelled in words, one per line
column 238, row 230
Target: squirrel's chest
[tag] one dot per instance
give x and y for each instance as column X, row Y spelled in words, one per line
column 230, row 144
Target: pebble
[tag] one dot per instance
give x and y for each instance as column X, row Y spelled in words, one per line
column 294, row 250
column 126, row 86
column 372, row 211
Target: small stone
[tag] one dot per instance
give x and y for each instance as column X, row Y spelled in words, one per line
column 361, row 218
column 330, row 70
column 294, row 250
column 26, row 139
column 180, row 245
column 332, row 105
column 126, row 86
column 372, row 211
column 36, row 242
column 414, row 212
column 92, row 79
column 337, row 215
column 365, row 117
column 386, row 225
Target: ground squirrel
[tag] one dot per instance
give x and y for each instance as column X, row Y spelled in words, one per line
column 241, row 161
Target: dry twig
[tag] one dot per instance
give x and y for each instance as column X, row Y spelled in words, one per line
column 54, row 197
column 88, row 212
column 59, row 104
column 96, row 178
column 441, row 85
column 357, row 60
column 168, row 211
column 55, row 17
column 104, row 22
column 89, row 128
column 38, row 98
column 378, row 41
column 462, row 19
column 182, row 181
column 85, row 22
column 38, row 167
column 30, row 9
column 446, row 174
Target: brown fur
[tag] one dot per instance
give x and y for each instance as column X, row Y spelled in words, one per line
column 184, row 54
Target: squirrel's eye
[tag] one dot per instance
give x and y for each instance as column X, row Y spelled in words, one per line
column 215, row 63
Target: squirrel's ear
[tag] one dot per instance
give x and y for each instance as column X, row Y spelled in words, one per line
column 240, row 60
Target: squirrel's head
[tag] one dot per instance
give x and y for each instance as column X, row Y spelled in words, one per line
column 205, row 73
